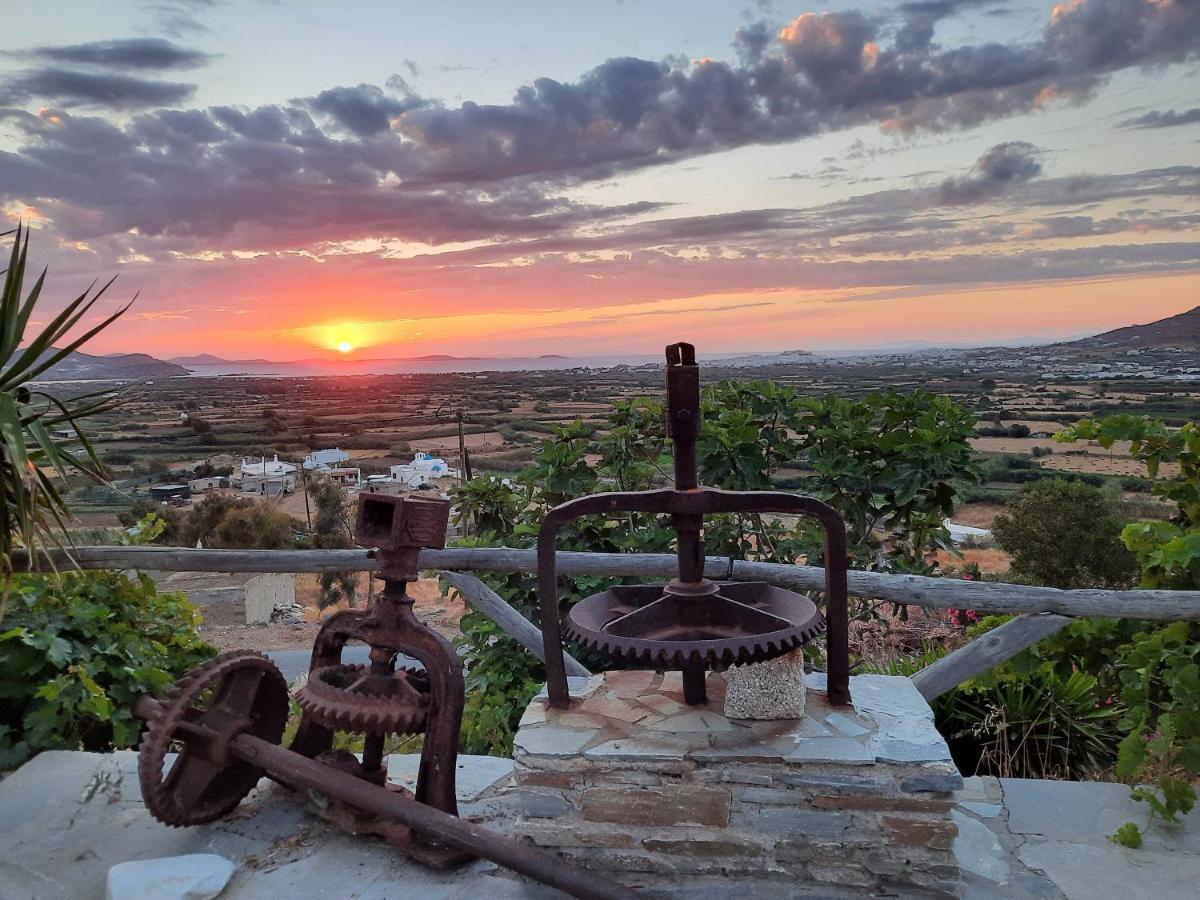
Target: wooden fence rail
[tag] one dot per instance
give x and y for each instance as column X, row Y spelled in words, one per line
column 931, row 593
column 1040, row 611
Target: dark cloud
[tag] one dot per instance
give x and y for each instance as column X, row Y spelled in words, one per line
column 820, row 72
column 364, row 110
column 999, row 168
column 1164, row 119
column 153, row 54
column 369, row 161
column 65, row 87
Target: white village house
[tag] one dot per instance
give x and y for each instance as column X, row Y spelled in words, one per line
column 268, row 477
column 422, row 470
column 324, row 460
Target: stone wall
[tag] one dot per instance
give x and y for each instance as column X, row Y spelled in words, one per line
column 632, row 781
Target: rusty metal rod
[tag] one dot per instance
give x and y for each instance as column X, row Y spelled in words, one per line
column 529, row 860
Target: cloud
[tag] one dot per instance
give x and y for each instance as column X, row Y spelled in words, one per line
column 153, row 54
column 365, row 110
column 363, row 161
column 1001, row 166
column 1164, row 119
column 65, row 87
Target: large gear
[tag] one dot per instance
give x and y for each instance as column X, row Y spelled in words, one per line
column 234, row 693
column 788, row 620
column 350, row 698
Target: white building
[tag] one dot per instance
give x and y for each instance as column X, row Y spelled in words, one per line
column 270, row 477
column 324, row 460
column 422, row 470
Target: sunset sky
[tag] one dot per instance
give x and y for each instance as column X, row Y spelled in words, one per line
column 281, row 179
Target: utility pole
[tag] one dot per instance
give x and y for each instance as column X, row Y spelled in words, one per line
column 304, row 484
column 464, row 464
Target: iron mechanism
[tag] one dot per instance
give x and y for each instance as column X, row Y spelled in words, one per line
column 693, row 624
column 225, row 721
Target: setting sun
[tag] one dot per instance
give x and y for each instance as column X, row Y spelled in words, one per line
column 344, row 346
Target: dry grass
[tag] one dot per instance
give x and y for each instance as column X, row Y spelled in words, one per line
column 991, row 560
column 879, row 642
column 979, row 515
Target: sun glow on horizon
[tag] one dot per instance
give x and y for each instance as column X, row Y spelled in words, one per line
column 344, row 346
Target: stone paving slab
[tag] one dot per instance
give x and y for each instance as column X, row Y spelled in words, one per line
column 66, row 818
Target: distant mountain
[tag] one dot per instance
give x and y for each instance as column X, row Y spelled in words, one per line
column 751, row 360
column 1182, row 330
column 207, row 359
column 113, row 367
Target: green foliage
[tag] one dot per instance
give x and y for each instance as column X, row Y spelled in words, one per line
column 502, row 677
column 78, row 649
column 884, row 462
column 1037, row 724
column 220, row 521
column 171, row 518
column 32, row 510
column 1064, row 535
column 1128, row 835
column 486, row 506
column 1159, row 667
column 332, row 531
column 1169, row 552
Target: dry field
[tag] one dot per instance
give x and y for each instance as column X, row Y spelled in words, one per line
column 440, row 613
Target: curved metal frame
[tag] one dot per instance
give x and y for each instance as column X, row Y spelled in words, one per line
column 688, row 508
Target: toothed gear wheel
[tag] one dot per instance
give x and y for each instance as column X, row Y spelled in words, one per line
column 235, row 693
column 784, row 621
column 350, row 698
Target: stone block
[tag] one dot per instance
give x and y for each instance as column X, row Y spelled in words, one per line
column 544, row 804
column 851, row 876
column 850, row 726
column 886, row 750
column 667, row 805
column 545, row 834
column 707, row 847
column 767, row 690
column 842, row 784
column 528, row 778
column 806, row 849
column 580, row 687
column 552, row 742
column 789, row 821
column 933, row 782
column 936, row 834
column 882, row 804
column 196, row 876
column 887, row 695
column 770, row 796
column 844, row 750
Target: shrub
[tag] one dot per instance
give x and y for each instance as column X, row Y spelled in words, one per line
column 1066, row 535
column 78, row 649
column 1035, row 725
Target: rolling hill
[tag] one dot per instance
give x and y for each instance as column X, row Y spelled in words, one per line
column 115, row 367
column 1181, row 331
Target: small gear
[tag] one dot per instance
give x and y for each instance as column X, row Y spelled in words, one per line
column 234, row 693
column 351, row 698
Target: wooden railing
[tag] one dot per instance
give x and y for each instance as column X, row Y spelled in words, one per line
column 1040, row 611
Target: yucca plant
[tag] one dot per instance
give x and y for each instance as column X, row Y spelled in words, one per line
column 33, row 512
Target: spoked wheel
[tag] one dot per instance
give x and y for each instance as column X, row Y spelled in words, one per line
column 236, row 693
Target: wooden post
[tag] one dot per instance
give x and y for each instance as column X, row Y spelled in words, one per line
column 986, row 652
column 482, row 598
